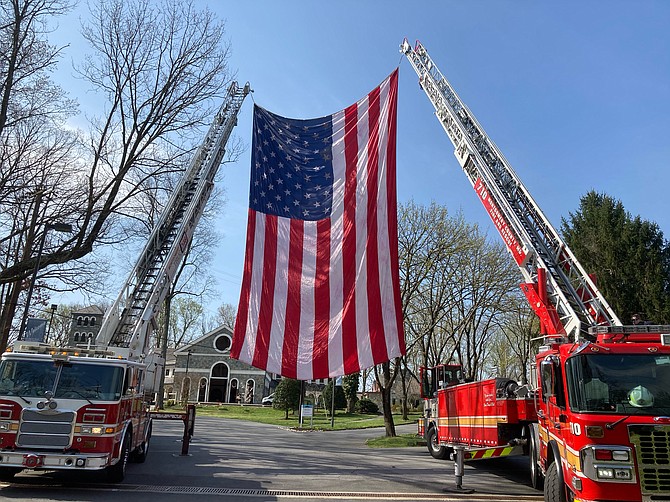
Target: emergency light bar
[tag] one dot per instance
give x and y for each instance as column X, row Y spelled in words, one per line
column 662, row 329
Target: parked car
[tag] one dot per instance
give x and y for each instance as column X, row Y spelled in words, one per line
column 267, row 400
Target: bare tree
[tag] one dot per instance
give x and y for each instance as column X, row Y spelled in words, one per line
column 36, row 153
column 184, row 321
column 431, row 246
column 226, row 314
column 513, row 347
column 159, row 67
column 487, row 278
column 457, row 296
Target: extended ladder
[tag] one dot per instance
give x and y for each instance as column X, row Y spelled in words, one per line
column 128, row 323
column 562, row 294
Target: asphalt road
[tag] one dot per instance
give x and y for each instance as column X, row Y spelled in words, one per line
column 244, row 461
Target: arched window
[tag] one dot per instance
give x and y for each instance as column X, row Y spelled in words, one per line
column 234, row 391
column 80, row 320
column 202, row 390
column 220, row 370
column 92, row 321
column 249, row 391
column 76, row 336
column 85, row 321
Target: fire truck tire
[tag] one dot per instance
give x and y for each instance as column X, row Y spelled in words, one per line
column 536, row 477
column 435, row 450
column 140, row 455
column 116, row 472
column 554, row 488
column 8, row 473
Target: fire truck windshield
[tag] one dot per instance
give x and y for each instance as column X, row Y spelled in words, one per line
column 31, row 378
column 631, row 384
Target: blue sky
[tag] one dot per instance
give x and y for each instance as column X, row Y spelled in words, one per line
column 576, row 94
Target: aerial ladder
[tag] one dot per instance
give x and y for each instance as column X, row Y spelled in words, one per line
column 129, row 323
column 564, row 297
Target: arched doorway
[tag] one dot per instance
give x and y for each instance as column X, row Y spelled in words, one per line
column 202, row 390
column 218, row 383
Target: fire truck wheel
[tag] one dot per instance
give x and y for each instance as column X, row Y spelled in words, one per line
column 435, row 450
column 116, row 472
column 140, row 455
column 8, row 473
column 554, row 488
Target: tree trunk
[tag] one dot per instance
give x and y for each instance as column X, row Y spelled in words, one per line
column 385, row 386
column 9, row 309
column 389, row 425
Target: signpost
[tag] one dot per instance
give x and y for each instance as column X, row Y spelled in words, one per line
column 307, row 410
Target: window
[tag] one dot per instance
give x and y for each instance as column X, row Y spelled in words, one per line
column 222, row 343
column 220, row 370
column 92, row 321
column 80, row 320
column 76, row 336
column 85, row 321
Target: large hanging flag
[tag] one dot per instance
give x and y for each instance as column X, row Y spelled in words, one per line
column 320, row 292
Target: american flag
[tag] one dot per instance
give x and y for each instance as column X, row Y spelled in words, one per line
column 320, row 291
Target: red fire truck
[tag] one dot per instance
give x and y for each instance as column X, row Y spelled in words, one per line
column 87, row 408
column 596, row 426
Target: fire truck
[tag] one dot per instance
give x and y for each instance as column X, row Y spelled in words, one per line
column 596, row 423
column 87, row 408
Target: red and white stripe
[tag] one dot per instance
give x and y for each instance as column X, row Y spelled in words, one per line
column 322, row 298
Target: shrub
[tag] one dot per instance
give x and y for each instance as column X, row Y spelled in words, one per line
column 366, row 406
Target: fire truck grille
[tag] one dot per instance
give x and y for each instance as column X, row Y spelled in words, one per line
column 652, row 446
column 47, row 429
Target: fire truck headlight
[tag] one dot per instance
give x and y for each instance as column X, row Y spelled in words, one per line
column 605, row 473
column 623, row 473
column 87, row 429
column 620, row 455
column 4, row 426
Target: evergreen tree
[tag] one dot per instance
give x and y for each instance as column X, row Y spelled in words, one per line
column 628, row 256
column 340, row 399
column 287, row 396
column 350, row 387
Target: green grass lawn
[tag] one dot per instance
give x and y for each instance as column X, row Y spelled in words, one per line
column 402, row 440
column 320, row 421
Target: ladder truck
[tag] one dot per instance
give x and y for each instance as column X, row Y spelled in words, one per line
column 597, row 425
column 87, row 408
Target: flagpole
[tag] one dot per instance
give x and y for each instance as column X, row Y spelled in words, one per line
column 302, row 401
column 332, row 405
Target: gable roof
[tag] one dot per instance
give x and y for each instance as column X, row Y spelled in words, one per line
column 91, row 309
column 211, row 334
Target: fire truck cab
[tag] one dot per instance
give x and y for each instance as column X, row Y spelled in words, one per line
column 604, row 417
column 72, row 409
